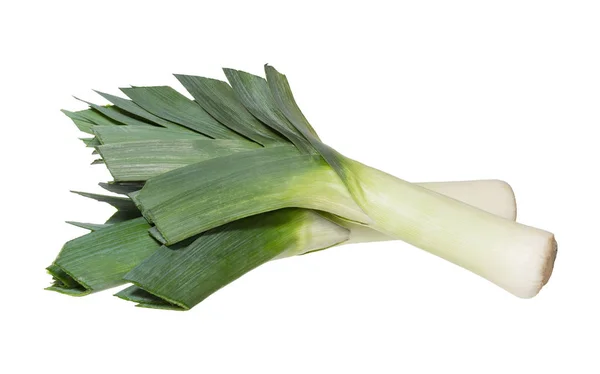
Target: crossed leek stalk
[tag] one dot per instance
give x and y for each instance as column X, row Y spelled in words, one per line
column 214, row 187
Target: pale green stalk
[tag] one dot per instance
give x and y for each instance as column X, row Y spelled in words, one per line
column 516, row 257
column 493, row 196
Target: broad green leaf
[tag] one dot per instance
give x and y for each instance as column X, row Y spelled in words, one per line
column 121, row 188
column 169, row 104
column 71, row 291
column 92, row 142
column 145, row 299
column 280, row 88
column 201, row 196
column 121, row 203
column 92, row 116
column 62, row 279
column 99, row 260
column 218, row 99
column 81, row 123
column 116, row 114
column 122, row 134
column 284, row 98
column 130, row 107
column 187, row 275
column 254, row 93
column 142, row 160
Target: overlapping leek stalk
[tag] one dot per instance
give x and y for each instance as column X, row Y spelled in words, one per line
column 237, row 177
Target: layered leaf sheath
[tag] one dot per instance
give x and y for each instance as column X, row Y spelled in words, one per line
column 215, row 186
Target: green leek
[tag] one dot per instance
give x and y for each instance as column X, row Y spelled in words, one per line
column 221, row 184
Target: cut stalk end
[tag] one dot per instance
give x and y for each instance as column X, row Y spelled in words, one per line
column 550, row 262
column 531, row 265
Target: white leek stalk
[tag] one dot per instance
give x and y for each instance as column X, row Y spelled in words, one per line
column 493, row 196
column 516, row 257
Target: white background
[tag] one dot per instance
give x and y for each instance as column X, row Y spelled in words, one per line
column 426, row 90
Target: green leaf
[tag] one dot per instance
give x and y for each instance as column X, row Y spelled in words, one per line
column 121, row 188
column 99, row 260
column 88, row 226
column 123, row 134
column 71, row 291
column 92, row 116
column 91, row 142
column 130, row 107
column 82, row 124
column 145, row 299
column 185, row 276
column 123, row 215
column 117, row 115
column 280, row 88
column 169, row 104
column 218, row 99
column 284, row 98
column 63, row 279
column 254, row 93
column 142, row 160
column 121, row 203
column 127, row 209
column 198, row 197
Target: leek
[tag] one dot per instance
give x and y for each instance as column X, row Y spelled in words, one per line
column 101, row 259
column 221, row 184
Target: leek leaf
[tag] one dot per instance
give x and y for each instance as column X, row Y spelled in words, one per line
column 92, row 116
column 284, row 98
column 62, row 279
column 185, row 276
column 121, row 188
column 145, row 299
column 253, row 92
column 121, row 203
column 142, row 160
column 71, row 291
column 201, row 196
column 117, row 115
column 169, row 104
column 99, row 260
column 91, row 142
column 123, row 215
column 89, row 226
column 81, row 123
column 218, row 99
column 130, row 107
column 123, row 134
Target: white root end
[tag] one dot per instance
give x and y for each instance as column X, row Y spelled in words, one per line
column 529, row 265
column 549, row 266
column 497, row 197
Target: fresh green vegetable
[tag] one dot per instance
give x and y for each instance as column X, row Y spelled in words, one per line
column 103, row 258
column 238, row 177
